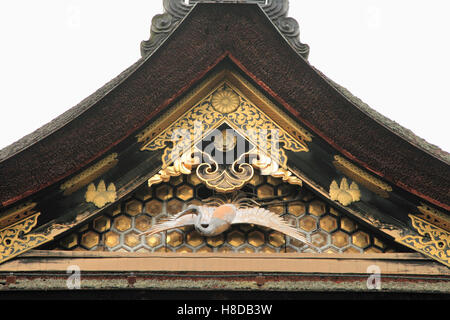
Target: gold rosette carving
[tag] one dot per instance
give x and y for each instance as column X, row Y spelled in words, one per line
column 225, row 100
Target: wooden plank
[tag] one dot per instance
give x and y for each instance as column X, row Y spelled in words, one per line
column 59, row 261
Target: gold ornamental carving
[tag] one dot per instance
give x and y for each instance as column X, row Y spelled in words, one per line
column 343, row 193
column 222, row 179
column 90, row 174
column 227, row 142
column 183, row 165
column 224, row 106
column 269, row 167
column 362, row 177
column 431, row 241
column 434, row 216
column 100, row 195
column 204, row 89
column 17, row 213
column 225, row 100
column 247, row 119
column 15, row 240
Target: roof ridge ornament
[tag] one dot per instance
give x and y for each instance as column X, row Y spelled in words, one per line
column 175, row 10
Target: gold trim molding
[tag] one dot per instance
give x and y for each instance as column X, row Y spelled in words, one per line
column 362, row 177
column 14, row 239
column 17, row 213
column 431, row 241
column 90, row 174
column 434, row 216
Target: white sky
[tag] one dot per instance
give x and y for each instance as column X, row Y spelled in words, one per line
column 394, row 55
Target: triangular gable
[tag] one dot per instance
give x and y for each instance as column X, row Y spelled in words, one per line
column 318, row 148
column 98, row 190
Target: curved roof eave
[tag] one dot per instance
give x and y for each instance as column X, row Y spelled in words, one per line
column 309, row 96
column 393, row 126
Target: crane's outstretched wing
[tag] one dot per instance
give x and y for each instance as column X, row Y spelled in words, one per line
column 172, row 223
column 266, row 218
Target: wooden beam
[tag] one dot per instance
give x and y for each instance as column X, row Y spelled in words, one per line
column 389, row 263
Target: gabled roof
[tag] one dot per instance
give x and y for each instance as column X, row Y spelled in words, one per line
column 60, row 170
column 204, row 37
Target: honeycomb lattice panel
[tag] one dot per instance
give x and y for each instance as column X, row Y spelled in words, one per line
column 120, row 228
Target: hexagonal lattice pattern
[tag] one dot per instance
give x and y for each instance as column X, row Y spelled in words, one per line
column 70, row 241
column 120, row 228
column 122, row 223
column 328, row 223
column 256, row 238
column 102, row 224
column 236, row 238
column 133, row 207
column 89, row 239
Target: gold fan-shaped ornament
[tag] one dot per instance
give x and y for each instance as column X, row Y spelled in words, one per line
column 344, row 193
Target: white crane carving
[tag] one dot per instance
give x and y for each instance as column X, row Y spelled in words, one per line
column 212, row 220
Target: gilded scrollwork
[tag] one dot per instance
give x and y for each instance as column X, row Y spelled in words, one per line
column 14, row 239
column 224, row 106
column 183, row 165
column 247, row 119
column 224, row 178
column 431, row 241
column 269, row 167
column 182, row 134
column 263, row 132
column 17, row 213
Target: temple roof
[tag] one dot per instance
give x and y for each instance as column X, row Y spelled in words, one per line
column 320, row 182
column 265, row 53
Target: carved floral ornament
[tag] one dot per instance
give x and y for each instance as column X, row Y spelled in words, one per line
column 430, row 240
column 226, row 180
column 223, row 139
column 344, row 193
column 16, row 239
column 100, row 195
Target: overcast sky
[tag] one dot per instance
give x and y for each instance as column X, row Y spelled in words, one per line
column 394, row 55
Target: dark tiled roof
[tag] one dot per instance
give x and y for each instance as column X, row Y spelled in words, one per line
column 206, row 35
column 395, row 127
column 66, row 117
